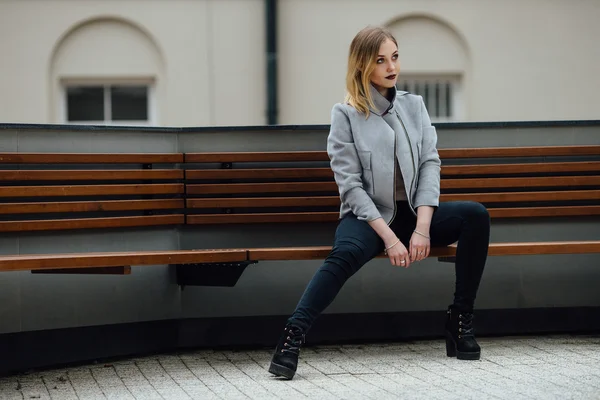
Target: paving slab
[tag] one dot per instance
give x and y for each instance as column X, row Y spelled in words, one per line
column 540, row 367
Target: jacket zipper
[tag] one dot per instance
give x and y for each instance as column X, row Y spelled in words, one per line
column 412, row 165
column 394, row 158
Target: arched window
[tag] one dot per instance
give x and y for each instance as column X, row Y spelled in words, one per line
column 106, row 71
column 434, row 63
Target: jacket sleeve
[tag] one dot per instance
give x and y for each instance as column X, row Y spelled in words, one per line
column 347, row 168
column 428, row 189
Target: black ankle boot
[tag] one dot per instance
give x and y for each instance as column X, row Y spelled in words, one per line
column 285, row 360
column 460, row 341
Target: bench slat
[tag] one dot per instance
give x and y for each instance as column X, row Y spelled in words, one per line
column 536, row 248
column 532, row 151
column 271, row 156
column 91, row 190
column 319, row 253
column 26, row 262
column 76, row 261
column 469, row 183
column 495, row 249
column 279, row 217
column 334, row 201
column 555, row 181
column 285, row 187
column 261, row 218
column 90, row 206
column 90, row 223
column 91, row 175
column 506, row 197
column 257, row 202
column 528, row 212
column 491, row 169
column 523, row 168
column 259, row 173
column 90, row 158
column 479, row 169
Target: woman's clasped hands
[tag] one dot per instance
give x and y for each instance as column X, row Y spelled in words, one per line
column 400, row 256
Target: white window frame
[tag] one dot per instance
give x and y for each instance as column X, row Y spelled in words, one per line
column 106, row 83
column 457, row 99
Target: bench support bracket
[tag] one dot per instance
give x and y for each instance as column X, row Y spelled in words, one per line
column 210, row 274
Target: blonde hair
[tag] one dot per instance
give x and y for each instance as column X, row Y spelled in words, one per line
column 361, row 63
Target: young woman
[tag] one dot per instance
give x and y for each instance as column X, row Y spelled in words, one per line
column 383, row 154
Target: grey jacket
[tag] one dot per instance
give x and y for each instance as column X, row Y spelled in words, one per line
column 362, row 150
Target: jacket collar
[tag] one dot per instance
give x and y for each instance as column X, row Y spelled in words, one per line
column 381, row 104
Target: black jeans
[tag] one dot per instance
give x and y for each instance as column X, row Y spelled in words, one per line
column 356, row 243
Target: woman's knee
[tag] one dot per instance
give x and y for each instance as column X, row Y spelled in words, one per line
column 476, row 212
column 349, row 255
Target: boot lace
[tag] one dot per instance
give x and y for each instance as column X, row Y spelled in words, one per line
column 294, row 339
column 465, row 324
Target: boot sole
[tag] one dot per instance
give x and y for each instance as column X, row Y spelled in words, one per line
column 460, row 355
column 280, row 370
column 467, row 356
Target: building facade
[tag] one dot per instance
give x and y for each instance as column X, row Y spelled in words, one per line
column 204, row 62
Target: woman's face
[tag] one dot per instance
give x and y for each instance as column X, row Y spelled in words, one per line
column 387, row 66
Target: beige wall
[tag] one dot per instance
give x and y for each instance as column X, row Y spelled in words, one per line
column 528, row 59
column 518, row 59
column 205, row 52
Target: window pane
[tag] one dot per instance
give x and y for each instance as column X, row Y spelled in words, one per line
column 437, row 99
column 437, row 92
column 448, row 100
column 85, row 103
column 129, row 103
column 418, row 88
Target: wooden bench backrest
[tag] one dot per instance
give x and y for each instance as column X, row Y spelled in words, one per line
column 54, row 191
column 299, row 187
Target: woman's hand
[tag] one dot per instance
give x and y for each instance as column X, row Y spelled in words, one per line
column 397, row 253
column 395, row 250
column 419, row 247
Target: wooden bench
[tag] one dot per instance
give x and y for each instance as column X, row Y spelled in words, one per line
column 82, row 191
column 89, row 191
column 267, row 187
column 294, row 187
column 211, row 267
